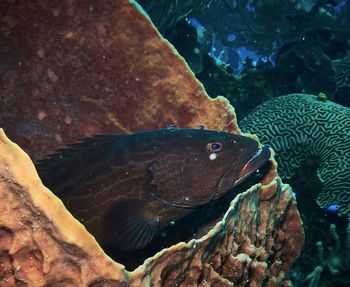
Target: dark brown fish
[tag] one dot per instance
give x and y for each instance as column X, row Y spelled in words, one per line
column 124, row 188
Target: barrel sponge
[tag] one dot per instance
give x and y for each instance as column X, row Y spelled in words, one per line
column 117, row 75
column 301, row 127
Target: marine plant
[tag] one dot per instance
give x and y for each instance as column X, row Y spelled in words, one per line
column 301, row 128
column 287, row 22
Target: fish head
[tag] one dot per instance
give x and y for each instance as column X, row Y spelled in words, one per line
column 253, row 159
column 197, row 166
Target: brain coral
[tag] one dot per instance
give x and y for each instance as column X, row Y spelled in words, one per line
column 342, row 71
column 300, row 127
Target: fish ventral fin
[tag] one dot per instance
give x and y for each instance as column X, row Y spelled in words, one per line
column 132, row 224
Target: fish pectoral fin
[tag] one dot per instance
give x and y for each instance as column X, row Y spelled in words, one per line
column 132, row 223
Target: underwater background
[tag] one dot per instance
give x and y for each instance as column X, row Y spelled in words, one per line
column 285, row 67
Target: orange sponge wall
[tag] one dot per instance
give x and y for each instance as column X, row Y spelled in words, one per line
column 78, row 68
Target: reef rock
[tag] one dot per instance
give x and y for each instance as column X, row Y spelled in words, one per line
column 302, row 127
column 41, row 244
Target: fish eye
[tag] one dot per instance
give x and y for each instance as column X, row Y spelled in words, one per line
column 214, row 146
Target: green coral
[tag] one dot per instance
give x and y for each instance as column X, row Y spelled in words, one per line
column 342, row 71
column 301, row 128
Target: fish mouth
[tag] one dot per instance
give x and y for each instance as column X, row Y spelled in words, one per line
column 257, row 161
column 260, row 157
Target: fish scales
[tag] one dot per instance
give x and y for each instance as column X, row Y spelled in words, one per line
column 126, row 188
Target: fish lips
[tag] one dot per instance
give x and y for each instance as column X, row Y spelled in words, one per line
column 256, row 162
column 261, row 156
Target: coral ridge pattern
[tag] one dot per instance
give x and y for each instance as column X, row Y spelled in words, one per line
column 300, row 127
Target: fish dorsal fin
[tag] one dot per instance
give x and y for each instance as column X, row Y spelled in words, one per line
column 132, row 224
column 71, row 150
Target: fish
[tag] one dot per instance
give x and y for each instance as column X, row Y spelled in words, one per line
column 124, row 188
column 333, row 208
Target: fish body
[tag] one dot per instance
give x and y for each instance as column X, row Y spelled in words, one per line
column 333, row 208
column 125, row 188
